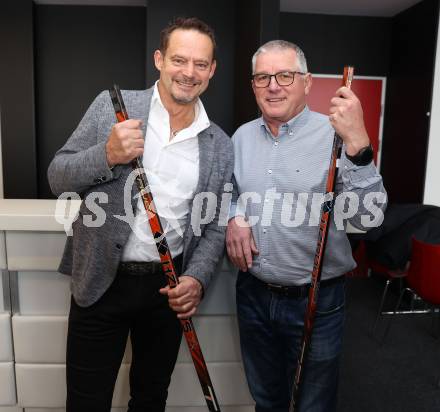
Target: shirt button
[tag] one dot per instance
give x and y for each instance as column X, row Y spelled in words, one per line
column 266, row 200
column 291, row 133
column 269, row 171
column 264, row 230
column 276, row 143
column 264, row 260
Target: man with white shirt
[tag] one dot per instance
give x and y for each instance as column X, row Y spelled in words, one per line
column 118, row 286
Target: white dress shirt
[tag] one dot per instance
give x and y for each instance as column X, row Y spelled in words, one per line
column 172, row 169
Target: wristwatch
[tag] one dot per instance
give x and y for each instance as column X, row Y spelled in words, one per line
column 363, row 157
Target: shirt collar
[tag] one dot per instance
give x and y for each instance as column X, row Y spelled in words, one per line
column 201, row 120
column 155, row 98
column 293, row 124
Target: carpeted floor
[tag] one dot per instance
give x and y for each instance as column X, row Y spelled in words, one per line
column 402, row 375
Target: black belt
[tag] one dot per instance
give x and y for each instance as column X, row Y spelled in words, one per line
column 147, row 268
column 300, row 291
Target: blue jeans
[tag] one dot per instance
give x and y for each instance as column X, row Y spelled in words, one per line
column 271, row 327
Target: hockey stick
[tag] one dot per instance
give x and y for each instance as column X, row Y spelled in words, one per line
column 167, row 260
column 326, row 210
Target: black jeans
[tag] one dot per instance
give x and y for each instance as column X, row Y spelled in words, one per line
column 97, row 338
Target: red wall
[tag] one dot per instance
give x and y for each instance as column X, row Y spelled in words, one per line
column 369, row 92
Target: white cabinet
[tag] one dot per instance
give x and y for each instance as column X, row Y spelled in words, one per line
column 39, row 339
column 45, row 385
column 43, row 293
column 3, row 263
column 28, row 250
column 227, row 378
column 6, row 354
column 7, row 377
column 7, row 384
column 13, row 409
column 31, row 247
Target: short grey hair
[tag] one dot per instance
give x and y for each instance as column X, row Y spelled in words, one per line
column 281, row 45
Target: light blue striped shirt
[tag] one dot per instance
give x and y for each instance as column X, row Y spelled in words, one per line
column 283, row 179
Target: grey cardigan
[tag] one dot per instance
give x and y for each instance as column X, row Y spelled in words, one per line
column 92, row 254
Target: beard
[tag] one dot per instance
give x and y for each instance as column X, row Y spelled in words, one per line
column 184, row 98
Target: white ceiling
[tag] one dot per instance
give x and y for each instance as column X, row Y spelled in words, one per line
column 383, row 8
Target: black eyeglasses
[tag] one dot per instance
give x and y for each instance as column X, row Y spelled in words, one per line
column 282, row 78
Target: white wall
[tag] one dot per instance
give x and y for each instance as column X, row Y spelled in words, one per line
column 432, row 186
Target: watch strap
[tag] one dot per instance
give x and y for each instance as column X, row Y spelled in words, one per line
column 363, row 157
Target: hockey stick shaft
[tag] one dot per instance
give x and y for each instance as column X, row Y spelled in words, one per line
column 166, row 259
column 326, row 211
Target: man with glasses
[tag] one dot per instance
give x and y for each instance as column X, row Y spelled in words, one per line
column 281, row 165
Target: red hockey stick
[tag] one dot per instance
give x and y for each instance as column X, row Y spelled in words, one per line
column 326, row 210
column 167, row 260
